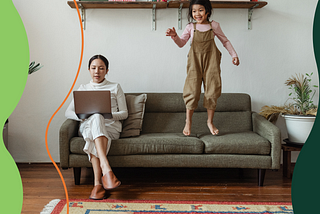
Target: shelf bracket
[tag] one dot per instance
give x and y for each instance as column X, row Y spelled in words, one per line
column 180, row 16
column 250, row 11
column 154, row 17
column 83, row 15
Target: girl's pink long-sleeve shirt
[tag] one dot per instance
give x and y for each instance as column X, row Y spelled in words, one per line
column 189, row 30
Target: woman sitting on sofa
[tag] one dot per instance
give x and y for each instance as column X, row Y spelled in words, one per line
column 98, row 131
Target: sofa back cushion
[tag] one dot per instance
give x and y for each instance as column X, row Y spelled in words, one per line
column 132, row 126
column 166, row 112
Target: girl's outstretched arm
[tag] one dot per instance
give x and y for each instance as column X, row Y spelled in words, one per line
column 180, row 41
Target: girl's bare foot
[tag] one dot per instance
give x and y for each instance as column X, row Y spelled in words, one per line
column 187, row 128
column 213, row 129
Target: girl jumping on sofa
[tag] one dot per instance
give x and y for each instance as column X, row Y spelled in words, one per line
column 98, row 131
column 203, row 61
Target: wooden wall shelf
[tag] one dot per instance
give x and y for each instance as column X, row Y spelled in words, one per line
column 161, row 5
column 82, row 5
column 118, row 5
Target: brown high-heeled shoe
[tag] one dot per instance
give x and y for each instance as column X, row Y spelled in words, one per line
column 110, row 181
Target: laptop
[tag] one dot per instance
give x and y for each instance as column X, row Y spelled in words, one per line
column 87, row 103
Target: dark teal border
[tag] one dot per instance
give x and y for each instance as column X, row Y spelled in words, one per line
column 306, row 177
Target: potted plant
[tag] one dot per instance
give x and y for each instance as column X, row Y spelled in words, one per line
column 300, row 114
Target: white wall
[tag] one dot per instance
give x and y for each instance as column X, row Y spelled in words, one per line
column 141, row 60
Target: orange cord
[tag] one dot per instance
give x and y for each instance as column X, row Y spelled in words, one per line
column 74, row 82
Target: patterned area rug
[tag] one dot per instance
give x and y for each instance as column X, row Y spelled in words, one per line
column 165, row 207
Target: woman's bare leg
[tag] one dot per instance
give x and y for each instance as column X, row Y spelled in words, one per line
column 212, row 128
column 97, row 172
column 187, row 127
column 98, row 192
column 109, row 180
column 101, row 144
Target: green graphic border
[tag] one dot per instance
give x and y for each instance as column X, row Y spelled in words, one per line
column 14, row 61
column 305, row 182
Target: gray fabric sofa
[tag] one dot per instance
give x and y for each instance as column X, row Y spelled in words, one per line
column 246, row 139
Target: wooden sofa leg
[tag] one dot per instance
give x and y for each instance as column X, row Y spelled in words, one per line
column 77, row 174
column 261, row 175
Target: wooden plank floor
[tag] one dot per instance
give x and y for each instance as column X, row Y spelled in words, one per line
column 41, row 184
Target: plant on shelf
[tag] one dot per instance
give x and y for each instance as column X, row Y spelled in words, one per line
column 300, row 114
column 33, row 67
column 302, row 96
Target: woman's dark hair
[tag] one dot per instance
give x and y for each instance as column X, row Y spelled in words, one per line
column 106, row 62
column 205, row 3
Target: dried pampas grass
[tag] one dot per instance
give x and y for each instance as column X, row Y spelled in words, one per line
column 297, row 80
column 312, row 112
column 272, row 113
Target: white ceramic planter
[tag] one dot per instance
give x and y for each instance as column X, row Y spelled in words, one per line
column 298, row 127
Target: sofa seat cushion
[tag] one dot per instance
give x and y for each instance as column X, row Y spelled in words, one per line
column 76, row 145
column 155, row 143
column 248, row 143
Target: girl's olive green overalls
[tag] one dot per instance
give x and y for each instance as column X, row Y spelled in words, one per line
column 203, row 66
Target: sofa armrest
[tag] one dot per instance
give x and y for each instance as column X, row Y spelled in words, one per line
column 68, row 130
column 272, row 133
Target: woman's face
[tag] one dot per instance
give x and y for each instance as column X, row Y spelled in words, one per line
column 199, row 14
column 98, row 70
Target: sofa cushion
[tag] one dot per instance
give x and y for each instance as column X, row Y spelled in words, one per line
column 132, row 125
column 165, row 102
column 173, row 102
column 228, row 122
column 229, row 102
column 77, row 145
column 156, row 143
column 164, row 122
column 174, row 122
column 166, row 113
column 248, row 143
